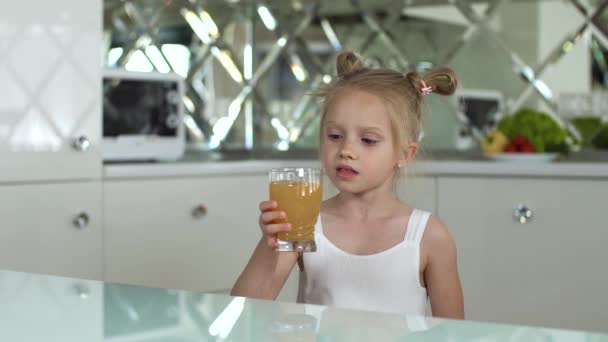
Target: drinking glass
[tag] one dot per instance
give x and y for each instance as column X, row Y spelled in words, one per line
column 298, row 192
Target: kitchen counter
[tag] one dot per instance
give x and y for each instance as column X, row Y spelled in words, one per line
column 585, row 164
column 40, row 307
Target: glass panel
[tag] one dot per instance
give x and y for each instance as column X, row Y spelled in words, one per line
column 250, row 65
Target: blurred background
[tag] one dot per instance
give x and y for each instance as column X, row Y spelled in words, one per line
column 250, row 65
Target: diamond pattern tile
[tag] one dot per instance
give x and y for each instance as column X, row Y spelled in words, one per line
column 50, row 67
column 31, row 68
column 7, row 34
column 61, row 106
column 14, row 98
column 4, row 132
column 88, row 123
column 33, row 133
column 85, row 47
column 63, row 33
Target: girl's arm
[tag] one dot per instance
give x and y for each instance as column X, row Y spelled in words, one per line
column 265, row 274
column 267, row 270
column 441, row 272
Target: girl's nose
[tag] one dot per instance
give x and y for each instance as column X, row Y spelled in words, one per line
column 347, row 152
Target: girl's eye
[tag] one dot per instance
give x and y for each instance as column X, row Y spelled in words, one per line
column 368, row 141
column 334, row 136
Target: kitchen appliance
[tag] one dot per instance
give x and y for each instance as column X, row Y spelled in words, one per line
column 142, row 116
column 482, row 107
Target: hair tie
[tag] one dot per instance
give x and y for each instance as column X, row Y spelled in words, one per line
column 426, row 90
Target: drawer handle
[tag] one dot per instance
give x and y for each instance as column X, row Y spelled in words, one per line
column 81, row 220
column 522, row 214
column 199, row 211
column 81, row 143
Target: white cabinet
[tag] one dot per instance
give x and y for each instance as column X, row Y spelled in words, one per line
column 188, row 233
column 549, row 271
column 52, row 228
column 50, row 89
column 50, row 131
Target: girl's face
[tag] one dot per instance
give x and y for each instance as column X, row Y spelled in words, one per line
column 359, row 152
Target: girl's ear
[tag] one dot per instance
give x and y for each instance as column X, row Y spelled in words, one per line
column 407, row 153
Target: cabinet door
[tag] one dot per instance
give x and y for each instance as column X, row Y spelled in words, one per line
column 548, row 271
column 52, row 228
column 50, row 90
column 192, row 233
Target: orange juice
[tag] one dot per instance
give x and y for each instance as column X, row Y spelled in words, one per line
column 301, row 201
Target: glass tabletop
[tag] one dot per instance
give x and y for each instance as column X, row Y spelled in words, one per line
column 47, row 308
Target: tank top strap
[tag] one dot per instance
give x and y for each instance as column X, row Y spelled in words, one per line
column 318, row 225
column 416, row 225
column 318, row 231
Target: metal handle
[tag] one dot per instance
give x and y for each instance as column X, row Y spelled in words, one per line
column 199, row 211
column 522, row 214
column 81, row 143
column 81, row 220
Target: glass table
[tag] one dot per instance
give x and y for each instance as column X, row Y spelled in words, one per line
column 36, row 307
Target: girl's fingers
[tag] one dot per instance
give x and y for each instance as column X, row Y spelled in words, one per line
column 267, row 205
column 272, row 242
column 272, row 229
column 270, row 216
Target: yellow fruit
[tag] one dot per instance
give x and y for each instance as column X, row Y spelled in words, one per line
column 494, row 142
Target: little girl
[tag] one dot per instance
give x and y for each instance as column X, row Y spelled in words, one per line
column 374, row 252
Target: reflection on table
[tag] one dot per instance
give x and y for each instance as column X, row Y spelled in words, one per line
column 40, row 307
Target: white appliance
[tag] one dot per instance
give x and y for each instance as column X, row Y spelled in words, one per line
column 142, row 116
column 482, row 107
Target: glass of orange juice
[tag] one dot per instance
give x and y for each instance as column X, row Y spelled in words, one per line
column 298, row 192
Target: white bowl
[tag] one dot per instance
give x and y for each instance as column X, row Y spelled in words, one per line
column 523, row 157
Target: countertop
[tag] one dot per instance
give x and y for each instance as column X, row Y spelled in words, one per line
column 584, row 164
column 41, row 307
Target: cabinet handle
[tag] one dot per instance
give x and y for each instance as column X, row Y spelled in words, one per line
column 522, row 214
column 81, row 220
column 199, row 211
column 81, row 143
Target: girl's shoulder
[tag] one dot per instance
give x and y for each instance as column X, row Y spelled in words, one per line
column 435, row 229
column 437, row 236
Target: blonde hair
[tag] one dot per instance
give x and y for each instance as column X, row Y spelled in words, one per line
column 402, row 93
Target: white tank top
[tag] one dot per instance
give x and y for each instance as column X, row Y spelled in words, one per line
column 388, row 281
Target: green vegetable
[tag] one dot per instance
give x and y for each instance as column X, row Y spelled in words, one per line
column 540, row 129
column 600, row 140
column 588, row 126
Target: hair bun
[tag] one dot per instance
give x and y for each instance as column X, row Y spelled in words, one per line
column 441, row 81
column 348, row 63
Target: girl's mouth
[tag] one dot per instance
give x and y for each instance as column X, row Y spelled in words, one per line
column 345, row 171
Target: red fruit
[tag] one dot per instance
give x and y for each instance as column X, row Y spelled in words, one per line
column 510, row 148
column 519, row 140
column 527, row 148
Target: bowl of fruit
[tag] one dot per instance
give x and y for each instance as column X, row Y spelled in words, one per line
column 528, row 136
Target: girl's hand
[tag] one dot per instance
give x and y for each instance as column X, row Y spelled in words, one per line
column 272, row 222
